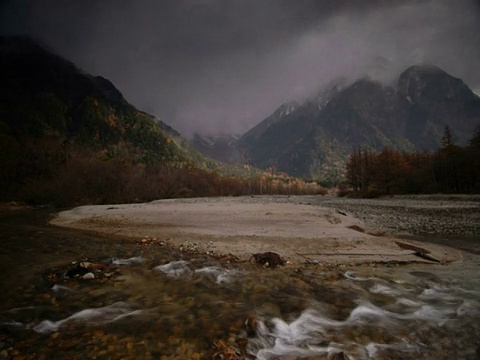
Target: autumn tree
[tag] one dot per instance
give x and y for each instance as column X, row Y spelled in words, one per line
column 451, row 169
column 359, row 169
column 473, row 159
column 390, row 171
column 448, row 137
column 420, row 177
column 450, row 163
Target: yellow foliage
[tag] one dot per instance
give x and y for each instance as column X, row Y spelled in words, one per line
column 111, row 121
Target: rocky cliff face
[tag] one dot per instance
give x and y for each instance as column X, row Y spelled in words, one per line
column 313, row 139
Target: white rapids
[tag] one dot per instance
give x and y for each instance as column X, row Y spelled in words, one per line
column 404, row 312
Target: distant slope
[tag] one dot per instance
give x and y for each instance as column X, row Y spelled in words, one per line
column 219, row 147
column 69, row 138
column 44, row 94
column 313, row 139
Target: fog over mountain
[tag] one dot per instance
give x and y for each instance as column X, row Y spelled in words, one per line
column 214, row 66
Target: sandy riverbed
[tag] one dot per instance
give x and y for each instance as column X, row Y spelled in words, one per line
column 298, row 228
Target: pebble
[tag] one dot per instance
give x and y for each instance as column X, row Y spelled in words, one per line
column 410, row 215
column 88, row 276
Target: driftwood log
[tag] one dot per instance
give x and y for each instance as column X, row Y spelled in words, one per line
column 417, row 251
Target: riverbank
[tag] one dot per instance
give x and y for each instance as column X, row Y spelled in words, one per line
column 150, row 301
column 315, row 229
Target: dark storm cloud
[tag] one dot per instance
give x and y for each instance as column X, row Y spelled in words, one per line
column 223, row 65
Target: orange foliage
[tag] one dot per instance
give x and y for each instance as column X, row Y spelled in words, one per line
column 50, row 171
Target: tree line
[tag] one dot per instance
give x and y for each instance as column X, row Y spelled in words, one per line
column 50, row 170
column 450, row 169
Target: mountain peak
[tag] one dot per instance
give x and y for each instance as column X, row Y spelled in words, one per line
column 428, row 83
column 315, row 138
column 18, row 51
column 286, row 108
column 323, row 95
column 424, row 69
column 20, row 44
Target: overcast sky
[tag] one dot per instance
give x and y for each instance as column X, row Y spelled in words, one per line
column 215, row 66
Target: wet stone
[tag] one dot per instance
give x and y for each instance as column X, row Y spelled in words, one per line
column 268, row 259
column 85, row 269
column 88, row 276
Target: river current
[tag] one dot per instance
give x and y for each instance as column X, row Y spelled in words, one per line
column 152, row 302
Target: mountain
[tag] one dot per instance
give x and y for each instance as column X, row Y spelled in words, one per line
column 220, row 147
column 313, row 139
column 436, row 99
column 69, row 138
column 42, row 94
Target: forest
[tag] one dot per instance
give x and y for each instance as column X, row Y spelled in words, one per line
column 51, row 170
column 450, row 169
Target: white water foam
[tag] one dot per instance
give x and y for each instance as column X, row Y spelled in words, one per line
column 373, row 349
column 282, row 349
column 136, row 260
column 23, row 308
column 59, row 288
column 110, row 313
column 384, row 290
column 13, row 324
column 352, row 275
column 432, row 314
column 428, row 304
column 408, row 302
column 469, row 308
column 304, row 335
column 175, row 269
column 220, row 275
column 183, row 269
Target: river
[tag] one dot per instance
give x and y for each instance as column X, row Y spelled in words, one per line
column 148, row 301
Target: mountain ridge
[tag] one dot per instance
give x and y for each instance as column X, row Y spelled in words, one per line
column 43, row 93
column 68, row 138
column 314, row 139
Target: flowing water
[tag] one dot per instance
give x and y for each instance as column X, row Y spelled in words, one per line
column 150, row 302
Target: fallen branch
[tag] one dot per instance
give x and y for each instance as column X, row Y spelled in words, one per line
column 417, row 251
column 412, row 247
